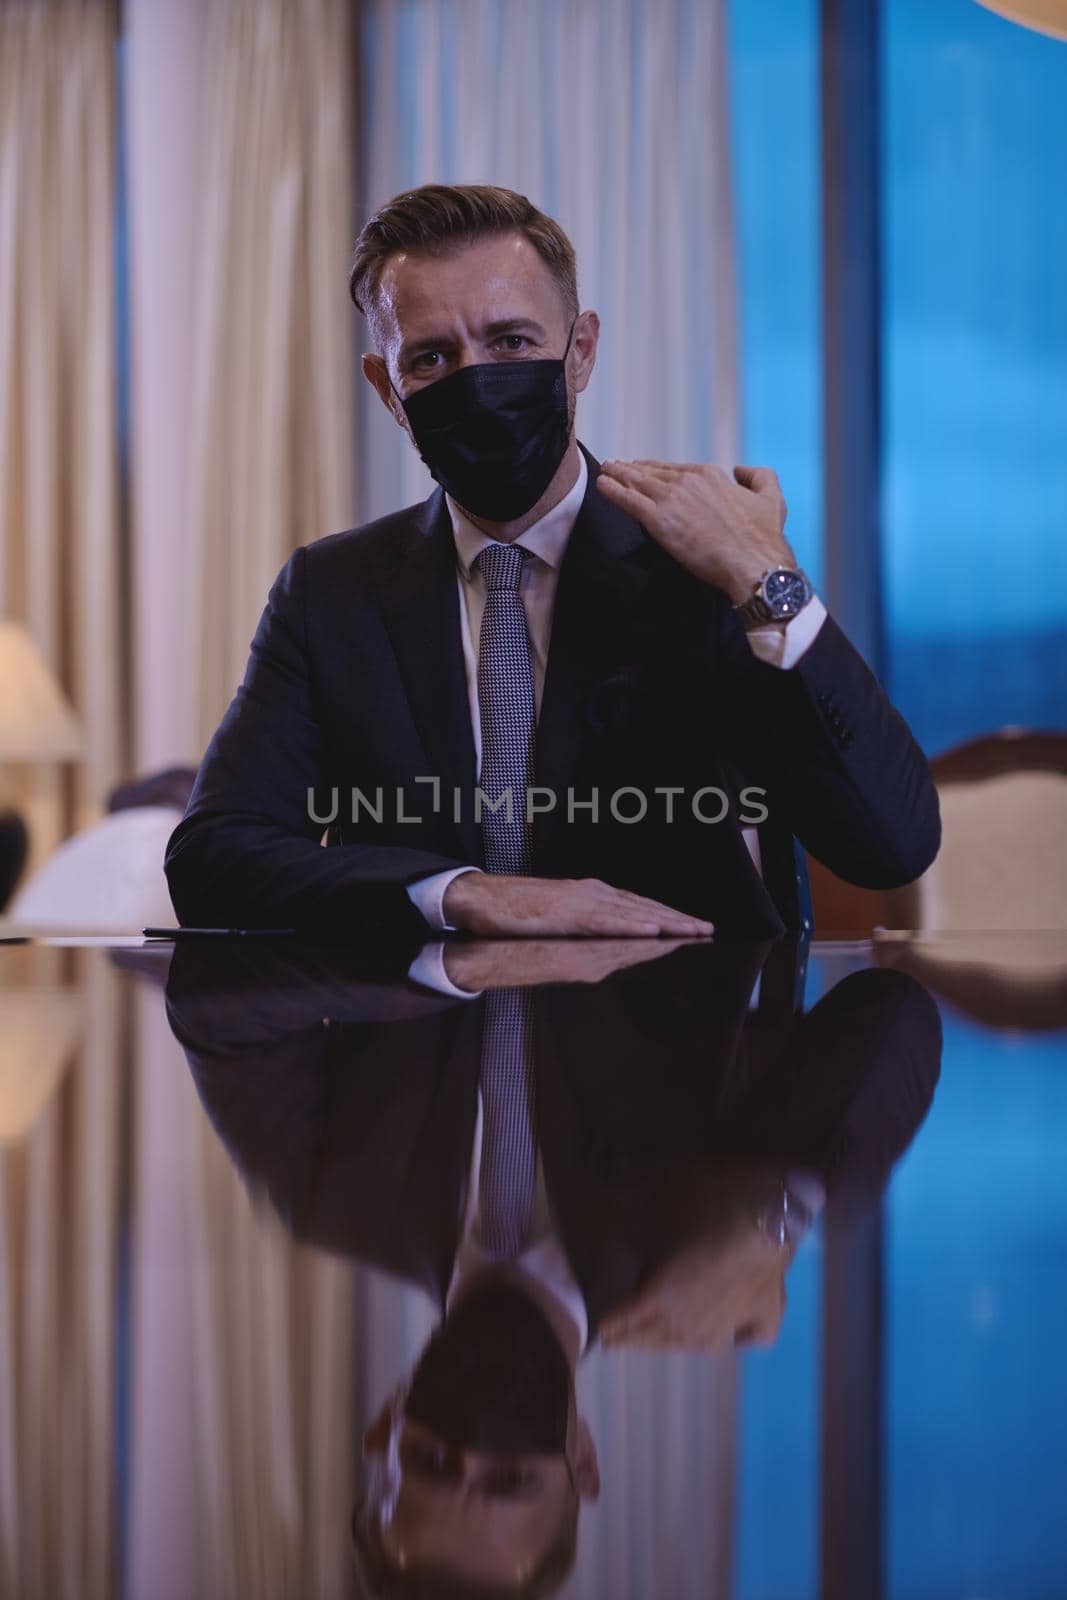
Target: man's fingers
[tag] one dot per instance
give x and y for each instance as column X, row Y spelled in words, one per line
column 607, row 922
column 640, row 506
column 680, row 927
column 533, row 908
column 632, row 898
column 676, row 923
column 662, row 913
column 645, row 480
column 606, row 926
column 646, row 1331
column 757, row 478
column 659, row 466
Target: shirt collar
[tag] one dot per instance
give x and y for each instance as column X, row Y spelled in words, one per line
column 547, row 537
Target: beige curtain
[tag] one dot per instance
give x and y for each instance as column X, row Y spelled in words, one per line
column 61, row 1023
column 60, row 569
column 244, row 370
column 272, row 429
column 271, row 1328
column 242, row 1445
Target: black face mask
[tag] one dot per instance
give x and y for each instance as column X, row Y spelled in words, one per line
column 494, row 434
column 494, row 1377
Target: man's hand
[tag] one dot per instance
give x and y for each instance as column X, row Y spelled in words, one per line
column 724, row 532
column 477, row 964
column 494, row 904
column 725, row 1287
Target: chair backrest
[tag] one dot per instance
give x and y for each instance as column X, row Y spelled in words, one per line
column 1003, row 857
column 106, row 879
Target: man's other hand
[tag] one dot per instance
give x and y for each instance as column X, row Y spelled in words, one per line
column 494, row 904
column 726, row 531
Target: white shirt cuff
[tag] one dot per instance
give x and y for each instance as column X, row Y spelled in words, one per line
column 427, row 895
column 783, row 647
column 428, row 968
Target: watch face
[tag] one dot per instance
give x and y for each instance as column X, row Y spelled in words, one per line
column 785, row 592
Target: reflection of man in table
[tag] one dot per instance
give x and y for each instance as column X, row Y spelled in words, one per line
column 476, row 1467
column 640, row 1170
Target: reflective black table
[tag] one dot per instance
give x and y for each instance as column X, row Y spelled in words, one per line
column 627, row 1269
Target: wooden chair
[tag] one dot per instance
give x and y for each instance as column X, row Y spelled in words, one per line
column 1003, row 858
column 990, row 915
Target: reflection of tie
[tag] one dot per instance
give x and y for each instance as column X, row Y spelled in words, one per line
column 506, row 707
column 508, row 1171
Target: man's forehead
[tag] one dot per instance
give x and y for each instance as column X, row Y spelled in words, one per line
column 489, row 280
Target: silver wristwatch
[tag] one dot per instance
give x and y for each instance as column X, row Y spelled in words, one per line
column 784, row 1218
column 777, row 597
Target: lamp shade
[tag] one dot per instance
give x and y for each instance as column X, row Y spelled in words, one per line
column 37, row 723
column 1047, row 16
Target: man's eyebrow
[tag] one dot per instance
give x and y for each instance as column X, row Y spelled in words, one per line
column 513, row 325
column 492, row 330
column 411, row 348
column 431, row 341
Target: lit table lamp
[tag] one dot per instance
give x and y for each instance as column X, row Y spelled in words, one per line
column 37, row 724
column 1047, row 16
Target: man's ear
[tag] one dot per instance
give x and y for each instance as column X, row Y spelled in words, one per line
column 584, row 342
column 376, row 1437
column 586, row 1465
column 377, row 375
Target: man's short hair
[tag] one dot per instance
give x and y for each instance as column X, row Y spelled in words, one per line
column 439, row 216
column 384, row 1580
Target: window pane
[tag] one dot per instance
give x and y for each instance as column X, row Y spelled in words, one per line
column 975, row 244
column 774, row 98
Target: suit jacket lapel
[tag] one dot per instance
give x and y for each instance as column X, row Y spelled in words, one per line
column 595, row 632
column 421, row 609
column 595, row 627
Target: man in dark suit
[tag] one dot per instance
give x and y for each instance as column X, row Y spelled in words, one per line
column 684, row 1142
column 558, row 697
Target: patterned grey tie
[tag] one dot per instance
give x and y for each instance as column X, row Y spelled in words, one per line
column 506, row 707
column 508, row 1173
column 506, row 704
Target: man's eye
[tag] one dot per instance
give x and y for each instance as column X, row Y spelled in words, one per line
column 424, row 362
column 511, row 1482
column 427, row 1460
column 513, row 341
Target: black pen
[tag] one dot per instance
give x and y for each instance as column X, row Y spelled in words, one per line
column 218, row 933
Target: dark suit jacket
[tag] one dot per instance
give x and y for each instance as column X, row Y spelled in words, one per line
column 650, row 1086
column 356, row 682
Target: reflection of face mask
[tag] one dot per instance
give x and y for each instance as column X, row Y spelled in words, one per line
column 494, row 434
column 494, row 1377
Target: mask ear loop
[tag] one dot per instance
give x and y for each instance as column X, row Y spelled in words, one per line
column 394, row 388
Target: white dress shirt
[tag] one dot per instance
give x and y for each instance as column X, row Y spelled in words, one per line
column 547, row 542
